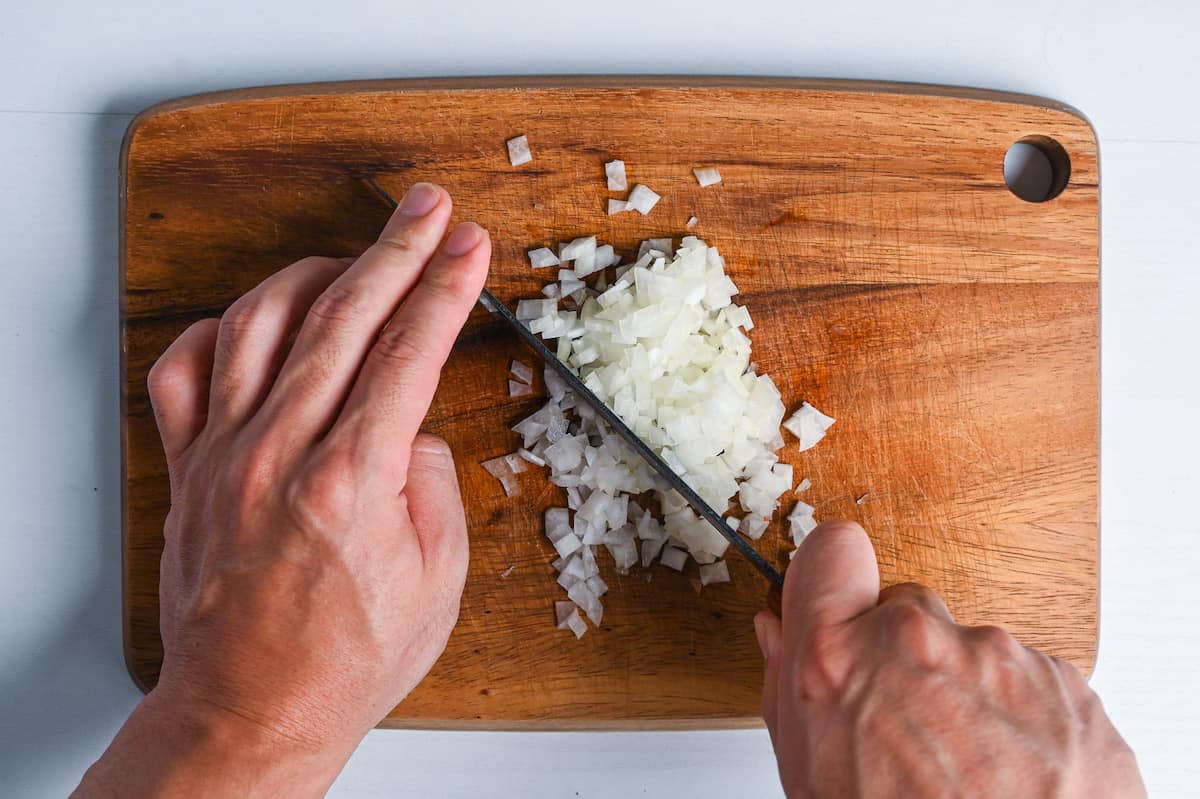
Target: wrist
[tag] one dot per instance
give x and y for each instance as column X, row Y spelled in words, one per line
column 176, row 745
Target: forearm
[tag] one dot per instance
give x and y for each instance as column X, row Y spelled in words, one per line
column 172, row 747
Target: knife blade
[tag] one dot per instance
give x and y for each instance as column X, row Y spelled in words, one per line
column 582, row 392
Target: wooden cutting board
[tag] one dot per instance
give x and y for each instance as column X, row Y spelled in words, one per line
column 896, row 283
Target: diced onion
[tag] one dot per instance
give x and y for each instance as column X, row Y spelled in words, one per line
column 529, row 456
column 673, row 558
column 707, row 176
column 521, row 371
column 714, row 573
column 501, row 469
column 692, row 222
column 617, row 206
column 614, row 171
column 518, row 389
column 518, row 151
column 809, row 425
column 642, row 199
column 543, row 257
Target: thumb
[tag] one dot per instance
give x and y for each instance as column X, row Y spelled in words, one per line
column 435, row 506
column 832, row 579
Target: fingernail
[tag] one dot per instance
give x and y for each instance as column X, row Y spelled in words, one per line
column 420, row 200
column 464, row 239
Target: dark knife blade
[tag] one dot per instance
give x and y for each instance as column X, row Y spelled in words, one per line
column 694, row 500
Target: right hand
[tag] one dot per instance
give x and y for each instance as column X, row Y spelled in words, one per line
column 879, row 693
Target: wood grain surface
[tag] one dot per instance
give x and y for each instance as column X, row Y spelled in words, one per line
column 896, row 283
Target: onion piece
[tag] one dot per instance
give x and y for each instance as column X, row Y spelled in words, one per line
column 529, row 456
column 642, row 199
column 517, row 389
column 614, row 171
column 567, row 544
column 809, row 425
column 501, row 469
column 617, row 206
column 707, row 176
column 535, row 309
column 521, row 371
column 567, row 615
column 803, row 486
column 692, row 222
column 542, row 257
column 674, row 558
column 518, row 151
column 753, row 527
column 714, row 573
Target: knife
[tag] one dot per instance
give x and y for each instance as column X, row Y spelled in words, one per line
column 576, row 385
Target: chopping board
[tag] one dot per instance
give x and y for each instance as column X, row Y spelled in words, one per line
column 895, row 281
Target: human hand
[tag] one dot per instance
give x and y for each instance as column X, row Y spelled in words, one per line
column 879, row 693
column 316, row 547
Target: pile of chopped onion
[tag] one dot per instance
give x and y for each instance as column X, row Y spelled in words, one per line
column 664, row 345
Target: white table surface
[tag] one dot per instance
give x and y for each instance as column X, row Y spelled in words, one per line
column 73, row 73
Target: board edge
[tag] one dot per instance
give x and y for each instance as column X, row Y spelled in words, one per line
column 600, row 81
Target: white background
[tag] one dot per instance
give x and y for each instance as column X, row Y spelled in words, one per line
column 73, row 73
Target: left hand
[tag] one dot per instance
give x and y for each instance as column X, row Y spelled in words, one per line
column 316, row 545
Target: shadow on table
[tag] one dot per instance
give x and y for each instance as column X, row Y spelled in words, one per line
column 74, row 692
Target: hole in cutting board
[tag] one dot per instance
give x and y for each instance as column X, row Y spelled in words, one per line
column 1036, row 168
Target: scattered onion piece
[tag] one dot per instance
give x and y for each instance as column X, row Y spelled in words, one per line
column 642, row 199
column 714, row 573
column 809, row 425
column 614, row 171
column 692, row 222
column 707, row 176
column 502, row 471
column 518, row 151
column 521, row 371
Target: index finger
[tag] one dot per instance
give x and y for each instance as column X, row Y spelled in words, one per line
column 392, row 392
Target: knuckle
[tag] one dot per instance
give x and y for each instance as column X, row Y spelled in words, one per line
column 321, row 262
column 995, row 640
column 164, row 375
column 1073, row 678
column 253, row 468
column 918, row 633
column 245, row 316
column 429, row 444
column 448, row 286
column 398, row 244
column 399, row 345
column 337, row 305
column 822, row 662
column 321, row 495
